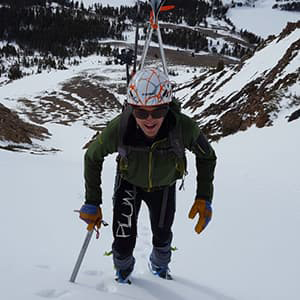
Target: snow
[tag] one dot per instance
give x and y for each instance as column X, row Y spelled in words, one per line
column 249, row 251
column 267, row 21
column 257, row 66
column 47, row 82
column 267, row 58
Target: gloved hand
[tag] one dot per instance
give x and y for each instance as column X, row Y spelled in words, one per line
column 204, row 209
column 92, row 215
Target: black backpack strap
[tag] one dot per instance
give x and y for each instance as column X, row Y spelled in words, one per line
column 122, row 149
column 176, row 142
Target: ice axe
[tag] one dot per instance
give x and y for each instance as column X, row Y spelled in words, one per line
column 83, row 250
column 156, row 7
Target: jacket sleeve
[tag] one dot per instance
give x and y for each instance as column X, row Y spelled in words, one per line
column 205, row 164
column 104, row 144
column 205, row 160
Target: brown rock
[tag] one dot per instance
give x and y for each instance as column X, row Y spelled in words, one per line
column 13, row 129
column 294, row 116
column 230, row 122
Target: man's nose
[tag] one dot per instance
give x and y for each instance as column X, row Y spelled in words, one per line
column 149, row 117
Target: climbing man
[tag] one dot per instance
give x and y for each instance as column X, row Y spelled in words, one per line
column 150, row 137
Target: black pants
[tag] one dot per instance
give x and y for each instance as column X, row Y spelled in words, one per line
column 127, row 202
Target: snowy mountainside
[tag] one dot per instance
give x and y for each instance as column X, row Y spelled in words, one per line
column 85, row 93
column 254, row 92
column 77, row 99
column 250, row 249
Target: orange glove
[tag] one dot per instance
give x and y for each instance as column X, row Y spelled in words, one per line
column 203, row 208
column 92, row 215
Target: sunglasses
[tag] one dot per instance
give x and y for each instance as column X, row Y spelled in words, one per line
column 155, row 114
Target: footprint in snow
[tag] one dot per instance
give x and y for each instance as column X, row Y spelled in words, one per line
column 51, row 293
column 106, row 287
column 45, row 267
column 93, row 273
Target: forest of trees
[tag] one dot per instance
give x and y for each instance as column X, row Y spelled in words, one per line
column 193, row 12
column 250, row 37
column 59, row 30
column 26, row 3
column 184, row 38
column 290, row 6
column 63, row 29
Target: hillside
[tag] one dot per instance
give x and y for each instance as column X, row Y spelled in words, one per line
column 254, row 92
column 225, row 94
column 250, row 250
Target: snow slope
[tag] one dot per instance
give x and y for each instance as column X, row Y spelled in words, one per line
column 261, row 19
column 253, row 93
column 249, row 251
column 260, row 64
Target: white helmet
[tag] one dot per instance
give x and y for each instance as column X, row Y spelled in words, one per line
column 149, row 87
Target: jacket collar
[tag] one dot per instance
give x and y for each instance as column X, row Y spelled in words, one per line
column 134, row 136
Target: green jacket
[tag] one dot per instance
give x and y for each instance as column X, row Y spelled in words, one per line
column 154, row 167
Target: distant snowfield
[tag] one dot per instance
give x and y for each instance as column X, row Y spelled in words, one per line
column 267, row 21
column 262, row 19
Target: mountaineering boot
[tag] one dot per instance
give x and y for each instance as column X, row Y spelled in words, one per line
column 122, row 276
column 162, row 272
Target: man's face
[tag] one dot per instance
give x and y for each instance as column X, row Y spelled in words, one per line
column 150, row 119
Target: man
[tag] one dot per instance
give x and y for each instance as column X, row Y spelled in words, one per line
column 151, row 136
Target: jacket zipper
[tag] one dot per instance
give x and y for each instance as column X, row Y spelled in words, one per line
column 150, row 183
column 201, row 149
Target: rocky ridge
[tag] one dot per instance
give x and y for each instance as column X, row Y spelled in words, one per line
column 252, row 93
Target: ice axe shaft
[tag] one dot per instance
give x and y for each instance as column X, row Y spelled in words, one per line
column 81, row 255
column 83, row 250
column 157, row 6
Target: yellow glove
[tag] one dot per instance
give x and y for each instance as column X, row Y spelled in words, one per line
column 203, row 208
column 92, row 215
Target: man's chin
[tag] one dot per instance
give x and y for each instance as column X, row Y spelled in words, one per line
column 151, row 133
